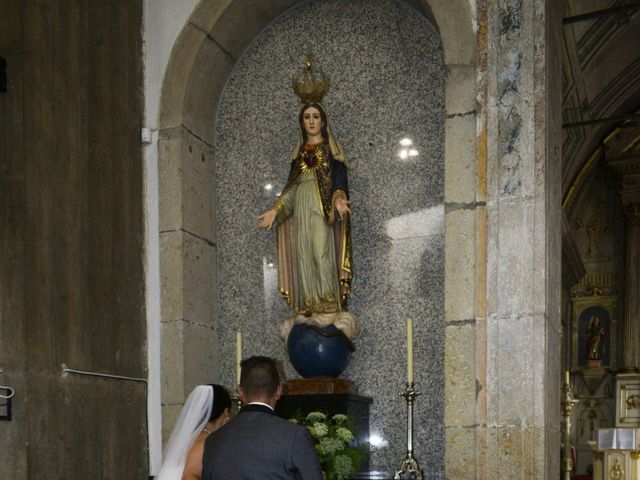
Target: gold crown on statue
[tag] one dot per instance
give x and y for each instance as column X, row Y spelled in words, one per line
column 309, row 85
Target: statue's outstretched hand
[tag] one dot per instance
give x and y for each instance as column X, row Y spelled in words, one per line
column 267, row 219
column 342, row 205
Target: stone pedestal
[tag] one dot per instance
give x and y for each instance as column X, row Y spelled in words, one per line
column 355, row 406
column 319, row 385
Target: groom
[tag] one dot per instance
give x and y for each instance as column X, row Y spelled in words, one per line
column 256, row 444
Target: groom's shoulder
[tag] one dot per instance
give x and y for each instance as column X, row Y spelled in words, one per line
column 276, row 420
column 283, row 424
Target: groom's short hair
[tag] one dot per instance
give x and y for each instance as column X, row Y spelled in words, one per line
column 259, row 377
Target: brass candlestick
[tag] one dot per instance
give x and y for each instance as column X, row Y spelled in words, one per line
column 409, row 469
column 568, row 403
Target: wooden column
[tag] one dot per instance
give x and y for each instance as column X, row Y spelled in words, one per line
column 628, row 167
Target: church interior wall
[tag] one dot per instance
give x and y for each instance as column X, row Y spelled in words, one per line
column 71, row 284
column 600, row 81
column 497, row 301
column 92, row 315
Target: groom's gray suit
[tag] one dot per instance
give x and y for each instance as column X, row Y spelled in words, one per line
column 258, row 445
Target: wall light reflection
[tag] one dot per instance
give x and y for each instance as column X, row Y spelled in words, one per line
column 421, row 223
column 269, row 284
column 406, row 152
column 377, row 441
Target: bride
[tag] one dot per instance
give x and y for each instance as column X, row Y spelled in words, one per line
column 206, row 410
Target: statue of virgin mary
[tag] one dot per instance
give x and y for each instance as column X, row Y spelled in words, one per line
column 312, row 217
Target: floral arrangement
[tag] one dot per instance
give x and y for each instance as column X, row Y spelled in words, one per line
column 332, row 436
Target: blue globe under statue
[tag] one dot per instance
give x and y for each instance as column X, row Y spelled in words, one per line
column 318, row 352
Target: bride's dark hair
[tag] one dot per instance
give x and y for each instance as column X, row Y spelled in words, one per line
column 221, row 401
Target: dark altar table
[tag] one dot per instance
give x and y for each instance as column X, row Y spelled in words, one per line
column 355, row 406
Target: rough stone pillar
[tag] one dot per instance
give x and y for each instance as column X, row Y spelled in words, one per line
column 187, row 267
column 197, row 71
column 519, row 390
column 629, row 169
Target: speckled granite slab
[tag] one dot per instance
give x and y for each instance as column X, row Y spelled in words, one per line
column 386, row 64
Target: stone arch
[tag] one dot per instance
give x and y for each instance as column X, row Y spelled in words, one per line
column 202, row 58
column 216, row 35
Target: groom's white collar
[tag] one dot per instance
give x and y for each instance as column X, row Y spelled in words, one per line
column 260, row 403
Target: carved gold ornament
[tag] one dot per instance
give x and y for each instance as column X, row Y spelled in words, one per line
column 633, row 402
column 594, row 227
column 616, row 472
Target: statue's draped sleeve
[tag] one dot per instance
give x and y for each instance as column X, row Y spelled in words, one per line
column 342, row 229
column 284, row 204
column 285, row 238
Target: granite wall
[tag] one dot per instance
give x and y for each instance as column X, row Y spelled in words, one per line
column 387, row 69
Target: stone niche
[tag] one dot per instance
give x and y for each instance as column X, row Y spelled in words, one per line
column 387, row 71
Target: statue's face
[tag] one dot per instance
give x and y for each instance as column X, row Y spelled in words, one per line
column 312, row 121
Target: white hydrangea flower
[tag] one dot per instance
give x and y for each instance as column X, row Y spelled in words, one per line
column 343, row 466
column 332, row 445
column 344, row 434
column 339, row 418
column 316, row 417
column 320, row 429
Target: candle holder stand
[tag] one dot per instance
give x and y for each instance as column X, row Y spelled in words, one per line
column 409, row 469
column 568, row 403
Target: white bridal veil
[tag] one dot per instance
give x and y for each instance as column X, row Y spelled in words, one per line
column 190, row 423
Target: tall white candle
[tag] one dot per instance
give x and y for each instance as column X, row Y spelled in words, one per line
column 409, row 350
column 238, row 354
